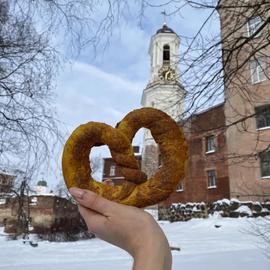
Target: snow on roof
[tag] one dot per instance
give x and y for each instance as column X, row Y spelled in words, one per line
column 44, row 194
column 7, row 173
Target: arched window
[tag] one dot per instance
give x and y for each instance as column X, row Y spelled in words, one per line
column 166, row 55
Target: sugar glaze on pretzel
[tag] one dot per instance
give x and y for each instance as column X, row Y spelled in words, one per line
column 136, row 190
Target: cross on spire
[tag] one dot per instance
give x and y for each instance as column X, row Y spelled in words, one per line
column 165, row 16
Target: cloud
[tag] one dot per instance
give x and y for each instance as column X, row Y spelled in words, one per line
column 87, row 93
column 117, row 83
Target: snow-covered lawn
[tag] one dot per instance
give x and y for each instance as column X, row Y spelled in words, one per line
column 203, row 247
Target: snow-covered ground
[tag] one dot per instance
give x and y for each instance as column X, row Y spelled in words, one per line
column 203, row 247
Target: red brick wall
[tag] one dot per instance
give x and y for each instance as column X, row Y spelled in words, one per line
column 118, row 178
column 197, row 129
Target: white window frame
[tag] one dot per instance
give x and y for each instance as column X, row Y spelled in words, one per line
column 213, row 181
column 112, row 170
column 252, row 26
column 263, row 112
column 257, row 70
column 213, row 148
column 180, row 186
column 266, row 161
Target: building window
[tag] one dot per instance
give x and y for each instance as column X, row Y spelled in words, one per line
column 166, row 55
column 210, row 144
column 180, row 186
column 212, row 183
column 263, row 116
column 265, row 164
column 112, row 170
column 253, row 25
column 159, row 160
column 257, row 70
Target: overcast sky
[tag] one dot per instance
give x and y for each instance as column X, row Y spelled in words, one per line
column 104, row 85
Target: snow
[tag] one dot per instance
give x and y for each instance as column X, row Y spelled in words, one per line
column 235, row 200
column 152, row 212
column 224, row 201
column 2, row 201
column 244, row 209
column 45, row 194
column 203, row 247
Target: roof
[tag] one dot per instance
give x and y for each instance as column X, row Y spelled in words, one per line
column 210, row 108
column 200, row 113
column 3, row 172
column 165, row 29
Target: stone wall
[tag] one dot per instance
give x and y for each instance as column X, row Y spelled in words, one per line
column 226, row 208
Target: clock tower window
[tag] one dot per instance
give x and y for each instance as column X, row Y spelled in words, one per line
column 166, row 55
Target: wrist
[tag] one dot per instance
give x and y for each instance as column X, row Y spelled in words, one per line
column 155, row 255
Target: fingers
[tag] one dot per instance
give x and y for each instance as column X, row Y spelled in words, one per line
column 93, row 220
column 92, row 201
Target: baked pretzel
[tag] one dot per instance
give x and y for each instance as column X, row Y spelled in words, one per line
column 136, row 190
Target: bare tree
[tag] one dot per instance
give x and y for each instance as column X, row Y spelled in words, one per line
column 260, row 228
column 27, row 123
column 29, row 63
column 96, row 166
column 21, row 194
column 210, row 62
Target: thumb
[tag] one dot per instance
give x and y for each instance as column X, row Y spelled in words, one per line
column 91, row 200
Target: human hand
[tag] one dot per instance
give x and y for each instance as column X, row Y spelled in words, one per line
column 127, row 227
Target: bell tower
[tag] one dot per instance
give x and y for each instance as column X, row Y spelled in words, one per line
column 163, row 91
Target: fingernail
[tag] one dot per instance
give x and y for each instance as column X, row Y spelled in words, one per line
column 77, row 192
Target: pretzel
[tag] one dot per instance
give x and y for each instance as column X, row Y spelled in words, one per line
column 136, row 190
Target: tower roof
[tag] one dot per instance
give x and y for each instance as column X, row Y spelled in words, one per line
column 165, row 29
column 42, row 183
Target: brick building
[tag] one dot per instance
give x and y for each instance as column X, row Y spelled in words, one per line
column 229, row 153
column 6, row 183
column 112, row 174
column 207, row 169
column 247, row 98
column 46, row 214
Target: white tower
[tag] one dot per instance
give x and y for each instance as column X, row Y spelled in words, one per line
column 164, row 90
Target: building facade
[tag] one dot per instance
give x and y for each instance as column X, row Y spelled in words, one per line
column 6, row 183
column 247, row 98
column 206, row 177
column 45, row 213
